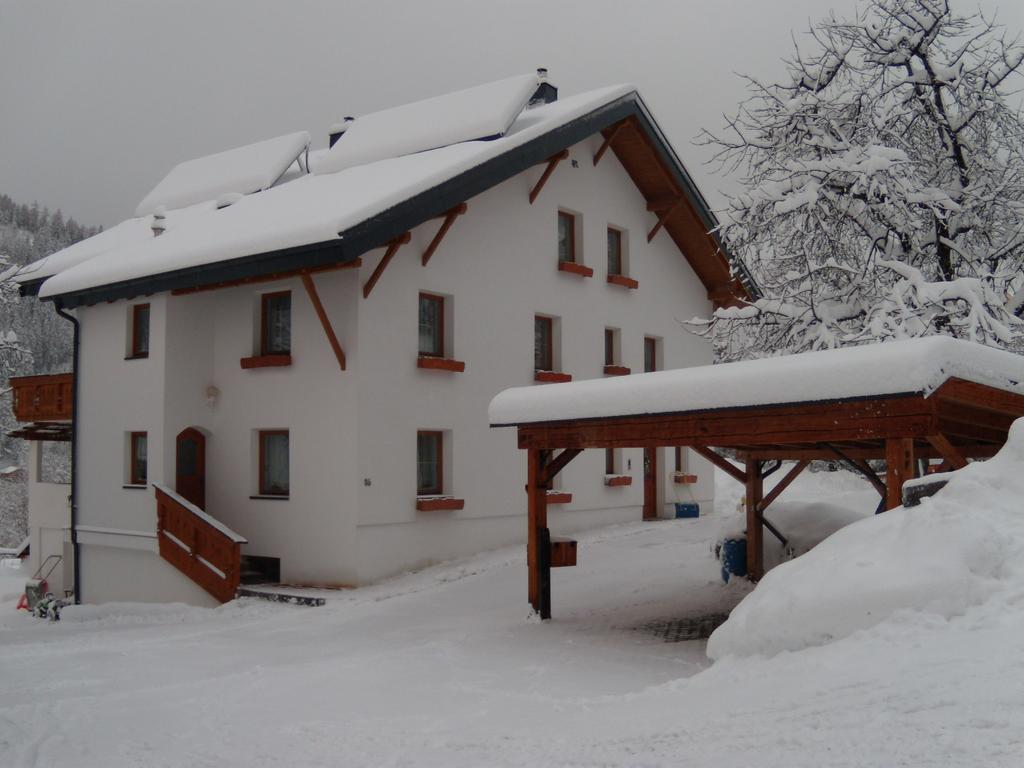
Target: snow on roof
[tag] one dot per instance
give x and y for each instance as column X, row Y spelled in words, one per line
column 898, row 367
column 482, row 112
column 313, row 208
column 241, row 170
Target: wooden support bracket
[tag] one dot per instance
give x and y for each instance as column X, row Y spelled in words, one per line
column 662, row 218
column 722, row 463
column 948, row 451
column 608, row 142
column 449, row 219
column 325, row 321
column 553, row 162
column 559, row 463
column 389, row 254
column 780, row 486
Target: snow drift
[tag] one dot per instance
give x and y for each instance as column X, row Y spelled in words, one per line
column 959, row 549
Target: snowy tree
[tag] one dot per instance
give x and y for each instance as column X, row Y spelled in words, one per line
column 884, row 186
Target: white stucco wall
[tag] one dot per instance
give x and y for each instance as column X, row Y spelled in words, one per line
column 351, row 516
column 49, row 521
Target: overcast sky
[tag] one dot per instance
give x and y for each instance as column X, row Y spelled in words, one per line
column 100, row 98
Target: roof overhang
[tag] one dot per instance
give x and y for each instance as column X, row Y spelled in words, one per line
column 711, row 262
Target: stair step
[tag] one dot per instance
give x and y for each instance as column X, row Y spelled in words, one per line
column 268, row 593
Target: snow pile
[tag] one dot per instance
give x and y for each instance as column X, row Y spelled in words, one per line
column 482, row 112
column 241, row 170
column 897, row 367
column 959, row 549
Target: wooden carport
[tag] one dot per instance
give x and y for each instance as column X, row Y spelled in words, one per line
column 957, row 420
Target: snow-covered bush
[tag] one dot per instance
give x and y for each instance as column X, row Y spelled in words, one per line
column 884, row 187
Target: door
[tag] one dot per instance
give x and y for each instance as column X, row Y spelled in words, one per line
column 650, row 483
column 190, row 467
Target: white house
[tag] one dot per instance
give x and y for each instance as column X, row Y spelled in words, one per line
column 297, row 349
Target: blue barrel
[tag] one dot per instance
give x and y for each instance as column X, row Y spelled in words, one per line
column 687, row 509
column 734, row 558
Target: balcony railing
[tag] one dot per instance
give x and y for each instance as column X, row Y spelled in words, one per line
column 201, row 547
column 43, row 398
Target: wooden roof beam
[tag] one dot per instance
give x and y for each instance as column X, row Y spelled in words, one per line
column 608, row 141
column 449, row 219
column 663, row 216
column 948, row 451
column 269, row 278
column 389, row 254
column 553, row 162
column 314, row 298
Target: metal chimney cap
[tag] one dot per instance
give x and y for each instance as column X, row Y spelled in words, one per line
column 542, row 73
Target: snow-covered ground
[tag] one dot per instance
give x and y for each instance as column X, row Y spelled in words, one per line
column 444, row 667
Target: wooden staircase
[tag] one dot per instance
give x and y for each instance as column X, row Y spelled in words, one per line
column 201, row 547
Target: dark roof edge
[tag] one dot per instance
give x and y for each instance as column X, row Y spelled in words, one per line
column 395, row 221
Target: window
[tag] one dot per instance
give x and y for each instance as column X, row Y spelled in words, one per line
column 611, row 346
column 566, row 237
column 543, row 343
column 429, row 463
column 276, row 323
column 615, row 252
column 680, row 459
column 610, row 463
column 431, row 325
column 137, row 452
column 139, row 331
column 650, row 354
column 273, row 470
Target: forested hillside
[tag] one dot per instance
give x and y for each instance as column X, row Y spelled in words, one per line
column 33, row 339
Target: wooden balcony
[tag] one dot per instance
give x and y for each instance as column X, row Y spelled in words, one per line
column 202, row 548
column 43, row 398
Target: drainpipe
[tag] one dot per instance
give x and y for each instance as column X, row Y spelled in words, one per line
column 77, row 577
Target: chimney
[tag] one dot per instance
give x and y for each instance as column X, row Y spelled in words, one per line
column 159, row 225
column 338, row 130
column 546, row 92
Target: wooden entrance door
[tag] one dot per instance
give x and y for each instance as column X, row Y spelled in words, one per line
column 190, row 467
column 650, row 483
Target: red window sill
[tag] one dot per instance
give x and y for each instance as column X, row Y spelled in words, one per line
column 574, row 268
column 267, row 361
column 616, row 370
column 559, row 497
column 551, row 377
column 440, row 364
column 616, row 481
column 625, row 282
column 680, row 478
column 429, row 504
column 139, row 356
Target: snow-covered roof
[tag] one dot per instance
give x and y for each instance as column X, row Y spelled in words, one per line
column 894, row 368
column 483, row 112
column 311, row 209
column 242, row 170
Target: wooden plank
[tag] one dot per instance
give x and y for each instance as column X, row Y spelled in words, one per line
column 449, row 219
column 553, row 162
column 268, row 278
column 755, row 530
column 949, row 451
column 559, row 463
column 780, row 486
column 813, row 423
column 608, row 139
column 389, row 254
column 981, row 396
column 721, row 462
column 900, row 467
column 325, row 322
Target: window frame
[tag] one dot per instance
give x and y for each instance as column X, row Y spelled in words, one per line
column 134, row 352
column 134, row 477
column 441, row 303
column 620, row 270
column 438, row 488
column 265, row 350
column 262, row 487
column 610, row 342
column 651, row 343
column 573, row 251
column 611, row 464
column 549, row 354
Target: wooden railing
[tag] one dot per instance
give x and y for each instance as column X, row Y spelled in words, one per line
column 43, row 398
column 202, row 548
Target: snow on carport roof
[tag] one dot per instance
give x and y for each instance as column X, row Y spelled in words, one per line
column 482, row 112
column 314, row 208
column 242, row 170
column 899, row 367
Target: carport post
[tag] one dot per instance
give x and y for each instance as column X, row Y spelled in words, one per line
column 755, row 529
column 899, row 467
column 537, row 533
